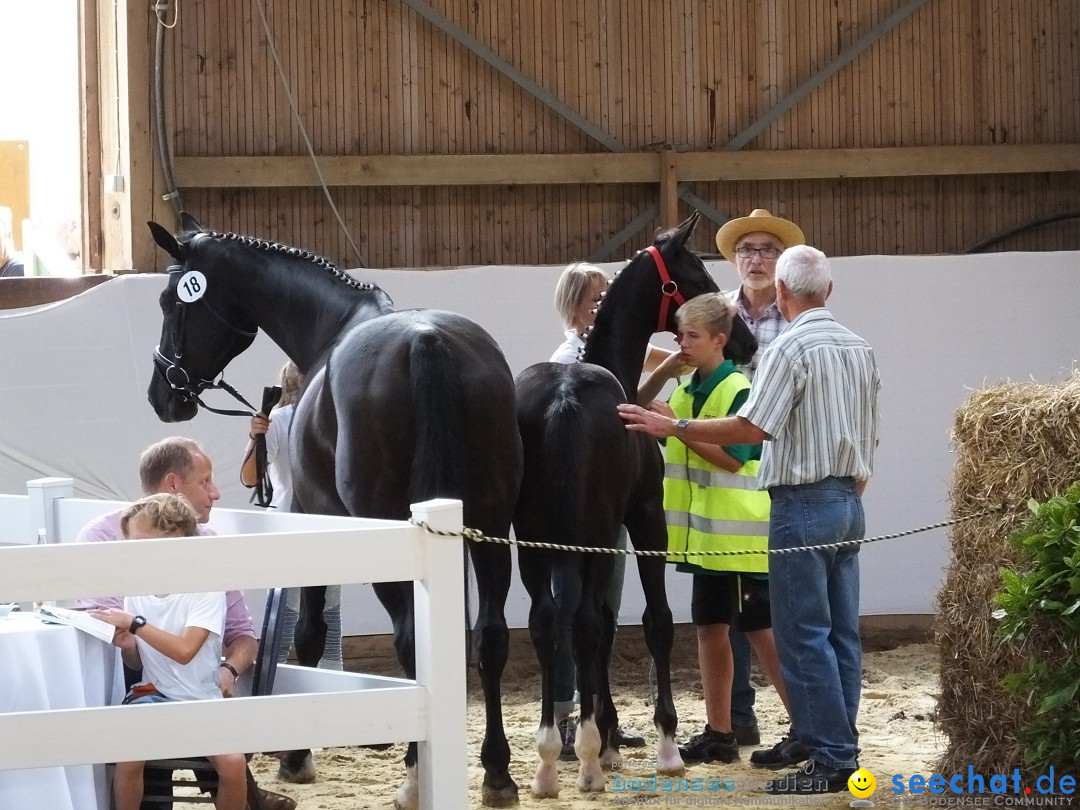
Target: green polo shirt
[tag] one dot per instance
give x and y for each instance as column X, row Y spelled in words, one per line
column 701, row 389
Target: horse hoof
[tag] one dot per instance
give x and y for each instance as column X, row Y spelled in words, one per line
column 505, row 796
column 541, row 792
column 545, row 785
column 408, row 795
column 669, row 761
column 591, row 778
column 301, row 774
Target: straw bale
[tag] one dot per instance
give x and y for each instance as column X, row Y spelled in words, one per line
column 1013, row 442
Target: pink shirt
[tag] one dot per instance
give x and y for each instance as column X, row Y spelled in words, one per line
column 107, row 527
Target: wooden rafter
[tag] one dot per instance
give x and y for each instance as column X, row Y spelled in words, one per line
column 627, row 167
column 822, row 75
column 546, row 97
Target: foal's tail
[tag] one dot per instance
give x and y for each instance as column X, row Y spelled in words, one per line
column 438, row 414
column 564, row 441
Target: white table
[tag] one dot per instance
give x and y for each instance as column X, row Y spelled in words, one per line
column 45, row 666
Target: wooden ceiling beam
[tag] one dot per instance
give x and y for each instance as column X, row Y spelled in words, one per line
column 626, row 167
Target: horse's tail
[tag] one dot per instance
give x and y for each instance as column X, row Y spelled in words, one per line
column 438, row 414
column 564, row 440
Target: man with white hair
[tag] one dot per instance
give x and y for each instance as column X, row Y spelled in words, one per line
column 814, row 404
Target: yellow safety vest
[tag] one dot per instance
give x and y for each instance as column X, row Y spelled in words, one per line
column 709, row 508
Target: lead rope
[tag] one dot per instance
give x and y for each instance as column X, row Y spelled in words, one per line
column 263, row 494
column 224, row 386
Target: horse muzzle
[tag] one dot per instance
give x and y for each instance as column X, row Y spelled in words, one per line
column 170, row 392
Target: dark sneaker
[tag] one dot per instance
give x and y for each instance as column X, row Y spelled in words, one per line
column 709, row 746
column 568, row 731
column 624, row 738
column 789, row 751
column 746, row 735
column 813, row 777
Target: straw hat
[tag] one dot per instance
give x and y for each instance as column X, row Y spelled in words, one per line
column 759, row 220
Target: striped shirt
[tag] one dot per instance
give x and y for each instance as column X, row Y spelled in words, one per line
column 816, row 395
column 765, row 329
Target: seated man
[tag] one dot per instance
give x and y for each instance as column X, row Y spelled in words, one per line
column 175, row 640
column 180, row 466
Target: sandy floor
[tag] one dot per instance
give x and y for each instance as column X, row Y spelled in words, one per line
column 898, row 736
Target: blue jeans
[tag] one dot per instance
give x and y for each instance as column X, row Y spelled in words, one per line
column 332, row 655
column 742, row 691
column 815, row 612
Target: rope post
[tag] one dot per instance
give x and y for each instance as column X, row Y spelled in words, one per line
column 440, row 657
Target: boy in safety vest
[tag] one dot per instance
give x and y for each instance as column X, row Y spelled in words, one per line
column 713, row 503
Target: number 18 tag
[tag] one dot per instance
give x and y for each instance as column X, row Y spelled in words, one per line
column 191, row 287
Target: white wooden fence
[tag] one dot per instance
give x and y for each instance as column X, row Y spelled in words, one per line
column 309, row 708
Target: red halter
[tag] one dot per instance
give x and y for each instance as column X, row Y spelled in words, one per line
column 668, row 287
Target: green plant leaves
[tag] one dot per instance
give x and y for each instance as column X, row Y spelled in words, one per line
column 1055, row 700
column 1039, row 604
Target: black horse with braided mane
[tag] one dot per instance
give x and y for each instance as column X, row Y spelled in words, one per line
column 399, row 407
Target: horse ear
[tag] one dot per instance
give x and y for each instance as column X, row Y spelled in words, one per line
column 166, row 241
column 683, row 232
column 188, row 223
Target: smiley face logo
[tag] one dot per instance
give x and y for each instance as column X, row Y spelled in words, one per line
column 862, row 783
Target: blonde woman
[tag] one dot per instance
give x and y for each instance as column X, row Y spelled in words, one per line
column 275, row 428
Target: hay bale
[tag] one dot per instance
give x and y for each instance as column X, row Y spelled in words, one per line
column 1013, row 442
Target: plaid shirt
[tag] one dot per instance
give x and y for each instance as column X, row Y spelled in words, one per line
column 765, row 329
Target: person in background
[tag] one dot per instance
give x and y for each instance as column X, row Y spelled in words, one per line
column 179, row 465
column 712, row 504
column 175, row 641
column 815, row 403
column 11, row 264
column 275, row 428
column 577, row 295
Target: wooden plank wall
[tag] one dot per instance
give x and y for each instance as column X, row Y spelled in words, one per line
column 371, row 77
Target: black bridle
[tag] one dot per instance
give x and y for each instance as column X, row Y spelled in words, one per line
column 177, row 377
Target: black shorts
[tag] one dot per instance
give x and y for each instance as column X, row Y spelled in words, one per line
column 729, row 598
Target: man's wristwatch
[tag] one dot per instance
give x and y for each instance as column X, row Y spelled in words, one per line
column 137, row 623
column 680, row 427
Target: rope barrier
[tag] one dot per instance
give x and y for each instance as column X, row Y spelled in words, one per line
column 477, row 536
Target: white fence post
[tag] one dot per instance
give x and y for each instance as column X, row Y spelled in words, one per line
column 43, row 493
column 440, row 659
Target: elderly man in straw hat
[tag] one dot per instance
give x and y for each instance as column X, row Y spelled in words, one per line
column 753, row 244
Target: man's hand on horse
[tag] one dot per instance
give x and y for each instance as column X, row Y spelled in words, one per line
column 647, row 421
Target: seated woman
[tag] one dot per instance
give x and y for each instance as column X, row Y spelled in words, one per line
column 176, row 640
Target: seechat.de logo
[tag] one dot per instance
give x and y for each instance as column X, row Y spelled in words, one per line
column 862, row 785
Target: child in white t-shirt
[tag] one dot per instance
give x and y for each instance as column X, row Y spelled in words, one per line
column 175, row 639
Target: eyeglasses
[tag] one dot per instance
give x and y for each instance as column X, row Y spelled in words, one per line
column 747, row 252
